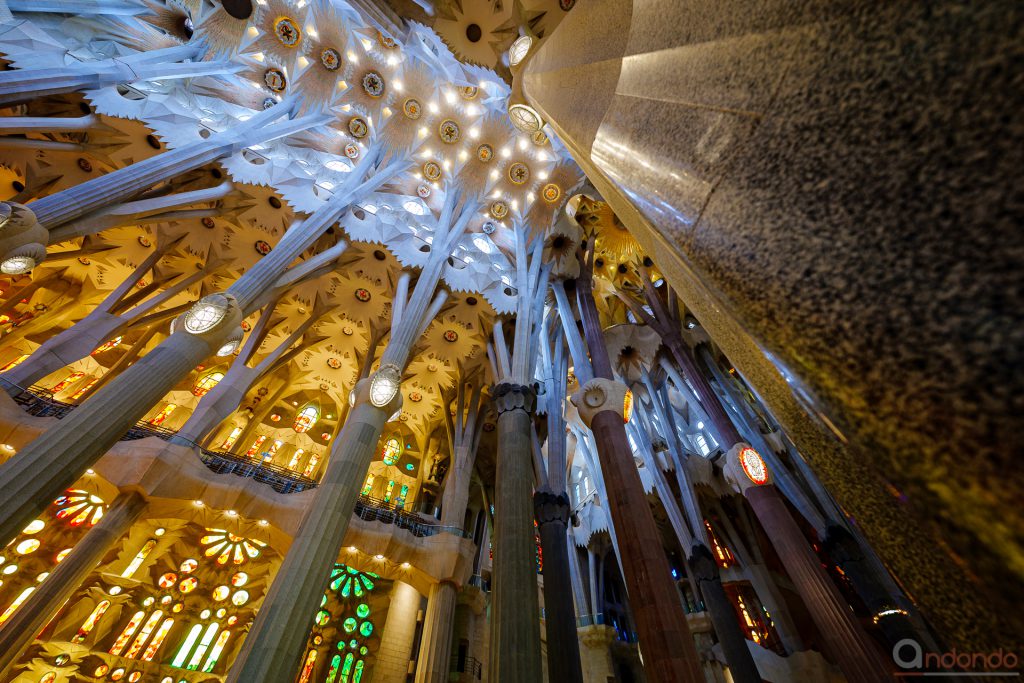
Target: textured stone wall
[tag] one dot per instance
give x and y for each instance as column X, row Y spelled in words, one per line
column 830, row 187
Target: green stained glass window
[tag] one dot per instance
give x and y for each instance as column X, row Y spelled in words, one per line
column 359, row 672
column 366, row 628
column 363, row 610
column 349, row 625
column 333, row 672
column 322, row 617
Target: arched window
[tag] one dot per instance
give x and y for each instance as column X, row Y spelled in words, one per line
column 392, row 449
column 207, row 382
column 306, row 418
column 163, row 415
column 66, row 382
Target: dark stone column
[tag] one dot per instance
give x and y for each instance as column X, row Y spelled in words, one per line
column 843, row 548
column 665, row 641
column 723, row 616
column 552, row 512
column 852, row 648
column 20, row 630
column 515, row 614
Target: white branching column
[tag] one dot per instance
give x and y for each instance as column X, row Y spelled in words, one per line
column 464, row 437
column 551, row 509
column 55, row 459
column 166, row 63
column 18, row 633
column 22, row 251
column 275, row 643
column 515, row 611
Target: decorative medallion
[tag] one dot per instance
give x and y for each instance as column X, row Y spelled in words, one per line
column 753, row 466
column 373, row 84
column 333, row 363
column 84, row 260
column 518, row 173
column 415, row 396
column 362, row 294
column 287, row 32
column 351, row 151
column 451, row 336
column 412, row 108
column 551, row 193
column 85, row 165
column 423, row 191
column 469, row 92
column 246, row 326
column 449, row 132
column 566, row 5
column 488, row 426
column 347, row 331
column 499, row 209
column 326, row 436
column 274, row 417
column 539, row 138
column 208, row 223
column 262, row 247
column 431, row 171
column 275, row 80
column 330, row 58
column 268, row 102
column 357, row 126
column 432, row 367
column 386, row 42
column 485, row 153
column 323, row 386
column 142, row 284
column 488, row 227
column 262, row 391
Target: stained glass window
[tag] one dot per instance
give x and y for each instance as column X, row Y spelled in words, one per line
column 90, row 622
column 186, row 647
column 392, row 450
column 139, row 559
column 80, row 506
column 163, row 415
column 22, row 597
column 296, row 457
column 128, row 632
column 368, row 486
column 207, row 382
column 311, row 465
column 14, row 363
column 85, row 387
column 402, row 493
column 66, row 382
column 106, row 346
column 255, row 447
column 227, row 546
column 306, row 418
column 389, row 490
column 723, row 555
column 232, row 438
column 274, row 448
column 307, row 668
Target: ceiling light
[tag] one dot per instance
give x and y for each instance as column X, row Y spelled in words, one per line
column 518, row 50
column 206, row 313
column 384, row 385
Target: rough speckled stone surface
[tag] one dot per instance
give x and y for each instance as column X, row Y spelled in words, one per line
column 831, row 187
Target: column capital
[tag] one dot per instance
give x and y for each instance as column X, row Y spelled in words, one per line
column 702, row 564
column 549, row 507
column 744, row 469
column 508, row 397
column 217, row 319
column 22, row 239
column 600, row 395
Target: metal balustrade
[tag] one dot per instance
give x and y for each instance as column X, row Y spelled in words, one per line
column 466, row 665
column 378, row 510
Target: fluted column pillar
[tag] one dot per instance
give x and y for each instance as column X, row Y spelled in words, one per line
column 396, row 641
column 552, row 513
column 20, row 630
column 436, row 644
column 723, row 616
column 852, row 648
column 665, row 640
column 515, row 613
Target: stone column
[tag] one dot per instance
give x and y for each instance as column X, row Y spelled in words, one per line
column 436, row 643
column 552, row 514
column 596, row 652
column 515, row 613
column 392, row 665
column 665, row 640
column 20, row 630
column 723, row 616
column 852, row 648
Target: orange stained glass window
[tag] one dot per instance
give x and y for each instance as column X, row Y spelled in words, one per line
column 22, row 597
column 307, row 668
column 306, row 418
column 158, row 640
column 255, row 447
column 207, row 382
column 128, row 632
column 106, row 346
column 723, row 555
column 147, row 630
column 163, row 415
column 90, row 622
column 311, row 465
column 85, row 387
column 232, row 438
column 296, row 457
column 274, row 448
column 14, row 363
column 66, row 382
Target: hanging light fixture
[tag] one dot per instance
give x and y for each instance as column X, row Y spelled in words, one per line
column 384, row 385
column 518, row 50
column 525, row 118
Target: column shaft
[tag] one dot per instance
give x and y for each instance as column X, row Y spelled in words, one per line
column 17, row 634
column 560, row 617
column 846, row 641
column 723, row 616
column 515, row 613
column 665, row 641
column 436, row 644
column 272, row 650
column 392, row 664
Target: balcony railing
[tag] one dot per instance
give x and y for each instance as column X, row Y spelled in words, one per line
column 377, row 510
column 466, row 665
